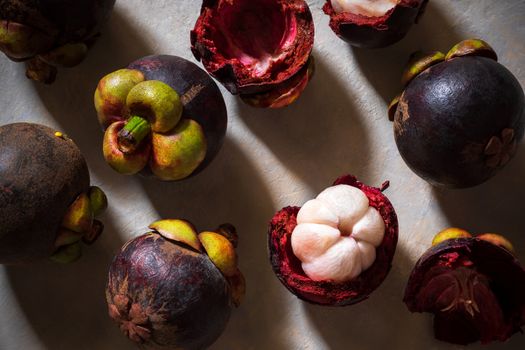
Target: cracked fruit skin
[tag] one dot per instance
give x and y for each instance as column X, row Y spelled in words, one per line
column 258, row 49
column 288, row 269
column 166, row 292
column 374, row 30
column 48, row 34
column 474, row 287
column 163, row 116
column 42, row 173
column 460, row 118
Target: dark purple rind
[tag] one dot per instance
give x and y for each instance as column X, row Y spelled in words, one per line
column 504, row 272
column 207, row 107
column 449, row 112
column 376, row 32
column 185, row 297
column 40, row 176
column 65, row 21
column 288, row 268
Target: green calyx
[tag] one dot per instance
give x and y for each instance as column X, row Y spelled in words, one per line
column 67, row 254
column 472, row 47
column 450, row 233
column 419, row 62
column 20, row 42
column 132, row 134
column 179, row 231
column 392, row 108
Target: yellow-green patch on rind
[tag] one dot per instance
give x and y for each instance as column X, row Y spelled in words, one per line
column 178, row 230
column 498, row 240
column 419, row 62
column 111, row 93
column 67, row 254
column 221, row 252
column 176, row 155
column 450, row 233
column 472, row 47
column 79, row 216
column 98, row 200
column 156, row 101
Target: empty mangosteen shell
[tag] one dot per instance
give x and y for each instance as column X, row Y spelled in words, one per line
column 447, row 115
column 501, row 267
column 184, row 296
column 288, row 269
column 376, row 32
column 200, row 96
column 40, row 176
column 232, row 73
column 61, row 21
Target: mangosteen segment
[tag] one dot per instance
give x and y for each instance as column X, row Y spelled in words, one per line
column 165, row 294
column 458, row 121
column 372, row 23
column 253, row 46
column 337, row 248
column 472, row 285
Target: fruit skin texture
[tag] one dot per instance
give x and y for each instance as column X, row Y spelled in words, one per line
column 376, row 32
column 202, row 102
column 40, row 176
column 44, row 29
column 288, row 269
column 165, row 294
column 458, row 122
column 473, row 287
column 274, row 36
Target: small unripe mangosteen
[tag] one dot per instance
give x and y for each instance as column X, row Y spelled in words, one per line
column 50, row 34
column 258, row 49
column 172, row 288
column 473, row 285
column 373, row 23
column 46, row 204
column 460, row 117
column 338, row 248
column 162, row 115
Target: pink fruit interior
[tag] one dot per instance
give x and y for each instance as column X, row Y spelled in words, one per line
column 253, row 32
column 475, row 290
column 288, row 268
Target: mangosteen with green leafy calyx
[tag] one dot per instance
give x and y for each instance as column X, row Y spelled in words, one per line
column 338, row 248
column 474, row 286
column 162, row 115
column 47, row 206
column 258, row 49
column 460, row 117
column 173, row 288
column 373, row 23
column 50, row 34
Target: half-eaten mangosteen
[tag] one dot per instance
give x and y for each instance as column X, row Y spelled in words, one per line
column 50, row 34
column 46, row 204
column 172, row 288
column 259, row 49
column 460, row 117
column 335, row 249
column 162, row 115
column 474, row 286
column 373, row 23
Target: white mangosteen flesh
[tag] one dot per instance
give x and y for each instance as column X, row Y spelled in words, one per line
column 337, row 234
column 368, row 8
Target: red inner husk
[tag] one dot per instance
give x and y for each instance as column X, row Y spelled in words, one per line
column 248, row 43
column 288, row 267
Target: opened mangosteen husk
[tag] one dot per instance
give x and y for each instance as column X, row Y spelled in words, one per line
column 474, row 286
column 259, row 49
column 367, row 25
column 288, row 268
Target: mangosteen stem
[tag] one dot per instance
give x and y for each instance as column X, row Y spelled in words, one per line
column 132, row 134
